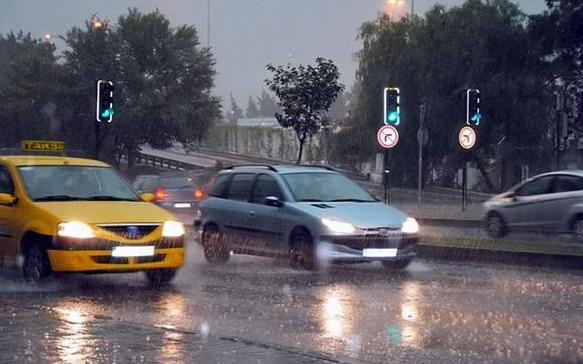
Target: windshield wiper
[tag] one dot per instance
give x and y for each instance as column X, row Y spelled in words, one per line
column 59, row 198
column 310, row 200
column 350, row 200
column 110, row 198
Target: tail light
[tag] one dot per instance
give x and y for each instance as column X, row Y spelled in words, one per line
column 159, row 193
column 198, row 194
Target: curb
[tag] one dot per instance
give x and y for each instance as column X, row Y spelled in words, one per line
column 451, row 222
column 555, row 261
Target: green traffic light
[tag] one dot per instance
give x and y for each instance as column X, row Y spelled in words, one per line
column 393, row 116
column 107, row 113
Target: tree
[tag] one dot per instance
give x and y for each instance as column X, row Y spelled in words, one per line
column 267, row 105
column 305, row 94
column 434, row 60
column 252, row 111
column 162, row 78
column 559, row 35
column 236, row 112
column 30, row 81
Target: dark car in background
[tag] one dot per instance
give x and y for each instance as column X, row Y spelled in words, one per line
column 177, row 193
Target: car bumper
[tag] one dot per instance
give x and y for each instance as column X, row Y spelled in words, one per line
column 352, row 249
column 102, row 261
column 96, row 256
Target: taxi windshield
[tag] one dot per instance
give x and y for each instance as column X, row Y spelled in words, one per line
column 67, row 183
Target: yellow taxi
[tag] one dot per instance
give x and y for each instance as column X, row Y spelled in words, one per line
column 62, row 214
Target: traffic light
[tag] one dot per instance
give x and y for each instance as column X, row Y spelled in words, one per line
column 104, row 101
column 473, row 115
column 392, row 110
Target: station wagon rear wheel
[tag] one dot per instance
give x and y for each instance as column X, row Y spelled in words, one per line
column 36, row 266
column 214, row 246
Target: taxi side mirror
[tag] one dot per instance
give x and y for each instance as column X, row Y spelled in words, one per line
column 147, row 197
column 7, row 199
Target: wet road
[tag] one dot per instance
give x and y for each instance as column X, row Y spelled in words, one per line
column 431, row 313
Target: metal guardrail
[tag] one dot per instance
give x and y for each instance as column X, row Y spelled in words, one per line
column 162, row 162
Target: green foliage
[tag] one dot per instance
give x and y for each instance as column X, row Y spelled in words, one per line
column 252, row 111
column 162, row 80
column 305, row 94
column 267, row 105
column 236, row 112
column 28, row 73
column 434, row 60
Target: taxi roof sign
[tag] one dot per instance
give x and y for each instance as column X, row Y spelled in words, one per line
column 43, row 146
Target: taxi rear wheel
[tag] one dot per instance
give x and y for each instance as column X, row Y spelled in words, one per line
column 160, row 277
column 214, row 246
column 36, row 266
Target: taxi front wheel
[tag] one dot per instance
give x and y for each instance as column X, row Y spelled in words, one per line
column 160, row 277
column 36, row 266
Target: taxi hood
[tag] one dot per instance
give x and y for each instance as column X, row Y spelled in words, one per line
column 106, row 212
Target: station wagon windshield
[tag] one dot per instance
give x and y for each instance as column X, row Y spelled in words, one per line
column 66, row 183
column 325, row 187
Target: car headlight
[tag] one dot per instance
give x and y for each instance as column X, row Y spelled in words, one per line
column 338, row 226
column 410, row 226
column 173, row 229
column 75, row 229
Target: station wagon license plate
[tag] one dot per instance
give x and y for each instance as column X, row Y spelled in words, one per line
column 182, row 205
column 132, row 251
column 379, row 253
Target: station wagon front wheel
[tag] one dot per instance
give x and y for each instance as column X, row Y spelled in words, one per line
column 302, row 254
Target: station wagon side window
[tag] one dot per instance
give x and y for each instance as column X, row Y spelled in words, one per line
column 539, row 186
column 6, row 184
column 240, row 186
column 265, row 186
column 567, row 184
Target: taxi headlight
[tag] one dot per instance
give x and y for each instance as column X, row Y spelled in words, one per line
column 75, row 229
column 338, row 226
column 173, row 229
column 410, row 226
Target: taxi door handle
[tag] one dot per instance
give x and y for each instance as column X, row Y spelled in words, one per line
column 252, row 213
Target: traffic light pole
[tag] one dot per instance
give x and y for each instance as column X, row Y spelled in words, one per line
column 97, row 141
column 387, row 178
column 464, row 186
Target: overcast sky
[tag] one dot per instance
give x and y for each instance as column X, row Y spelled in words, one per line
column 245, row 34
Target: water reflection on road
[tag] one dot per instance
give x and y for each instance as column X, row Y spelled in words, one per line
column 360, row 311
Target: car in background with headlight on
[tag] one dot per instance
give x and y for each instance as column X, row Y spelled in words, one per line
column 178, row 193
column 308, row 214
column 73, row 215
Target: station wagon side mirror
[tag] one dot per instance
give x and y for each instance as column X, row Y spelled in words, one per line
column 7, row 199
column 512, row 196
column 147, row 197
column 273, row 201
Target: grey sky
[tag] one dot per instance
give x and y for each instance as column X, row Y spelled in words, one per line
column 245, row 34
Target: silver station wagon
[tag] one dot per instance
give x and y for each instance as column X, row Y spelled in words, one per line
column 308, row 214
